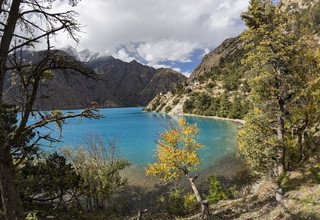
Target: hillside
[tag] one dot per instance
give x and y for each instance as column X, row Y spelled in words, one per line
column 256, row 200
column 219, row 85
column 116, row 84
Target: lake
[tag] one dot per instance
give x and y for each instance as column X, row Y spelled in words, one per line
column 136, row 132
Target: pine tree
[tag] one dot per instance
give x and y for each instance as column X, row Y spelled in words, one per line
column 281, row 64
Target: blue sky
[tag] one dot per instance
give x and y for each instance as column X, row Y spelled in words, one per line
column 159, row 33
column 186, row 67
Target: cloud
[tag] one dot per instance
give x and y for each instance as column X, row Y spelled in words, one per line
column 154, row 31
column 166, row 50
column 205, row 52
column 122, row 54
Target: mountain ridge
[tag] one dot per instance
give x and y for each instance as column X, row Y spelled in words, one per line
column 219, row 86
column 118, row 83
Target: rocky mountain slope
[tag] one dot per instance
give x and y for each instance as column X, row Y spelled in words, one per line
column 219, row 86
column 212, row 59
column 117, row 84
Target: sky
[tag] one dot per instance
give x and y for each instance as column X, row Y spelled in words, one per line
column 158, row 33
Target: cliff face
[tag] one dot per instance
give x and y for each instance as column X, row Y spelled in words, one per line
column 117, row 84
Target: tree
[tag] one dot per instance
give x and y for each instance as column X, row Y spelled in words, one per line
column 224, row 105
column 24, row 25
column 282, row 69
column 177, row 156
column 48, row 180
column 202, row 103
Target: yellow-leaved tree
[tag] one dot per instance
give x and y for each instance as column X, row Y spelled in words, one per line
column 177, row 156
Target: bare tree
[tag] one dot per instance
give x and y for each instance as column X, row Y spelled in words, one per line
column 24, row 24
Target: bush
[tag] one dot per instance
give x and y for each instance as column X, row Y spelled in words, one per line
column 49, row 179
column 315, row 172
column 188, row 90
column 155, row 105
column 210, row 85
column 167, row 109
column 99, row 169
column 176, row 101
column 285, row 183
column 161, row 106
column 177, row 204
column 202, row 103
column 216, row 192
column 188, row 105
column 179, row 90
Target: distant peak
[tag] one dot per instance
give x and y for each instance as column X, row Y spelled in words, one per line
column 134, row 61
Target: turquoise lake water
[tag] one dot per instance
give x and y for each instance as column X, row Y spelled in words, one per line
column 136, row 132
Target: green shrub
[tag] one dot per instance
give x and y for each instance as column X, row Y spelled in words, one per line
column 176, row 101
column 202, row 102
column 161, row 106
column 315, row 172
column 216, row 192
column 210, row 85
column 167, row 109
column 188, row 90
column 188, row 105
column 177, row 204
column 285, row 183
column 178, row 90
column 155, row 105
column 232, row 192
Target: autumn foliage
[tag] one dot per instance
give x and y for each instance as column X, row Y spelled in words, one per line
column 177, row 152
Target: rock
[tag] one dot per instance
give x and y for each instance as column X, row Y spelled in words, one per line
column 279, row 195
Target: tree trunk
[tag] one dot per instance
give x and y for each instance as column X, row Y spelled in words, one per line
column 204, row 204
column 6, row 39
column 301, row 131
column 300, row 147
column 281, row 151
column 11, row 201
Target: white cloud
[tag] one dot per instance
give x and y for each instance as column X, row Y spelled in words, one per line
column 157, row 66
column 155, row 30
column 123, row 55
column 166, row 50
column 205, row 52
column 187, row 73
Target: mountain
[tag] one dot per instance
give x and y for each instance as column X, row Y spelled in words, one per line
column 218, row 86
column 212, row 59
column 117, row 83
column 164, row 80
column 83, row 55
